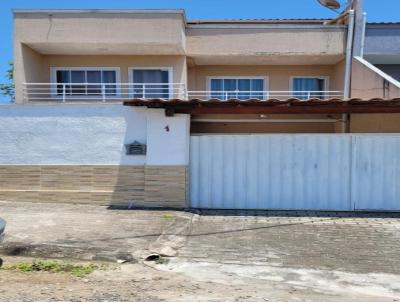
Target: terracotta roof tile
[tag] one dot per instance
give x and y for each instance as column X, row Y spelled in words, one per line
column 255, row 101
column 291, row 105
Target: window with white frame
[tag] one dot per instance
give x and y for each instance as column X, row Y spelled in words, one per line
column 309, row 87
column 151, row 82
column 237, row 87
column 89, row 82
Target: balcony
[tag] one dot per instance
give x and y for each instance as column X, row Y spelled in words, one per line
column 103, row 92
column 118, row 92
column 97, row 32
column 265, row 44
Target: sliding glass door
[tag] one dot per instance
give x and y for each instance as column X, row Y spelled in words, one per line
column 78, row 82
column 309, row 87
column 151, row 83
column 237, row 88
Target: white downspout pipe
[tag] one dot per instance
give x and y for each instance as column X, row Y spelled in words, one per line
column 349, row 57
column 364, row 26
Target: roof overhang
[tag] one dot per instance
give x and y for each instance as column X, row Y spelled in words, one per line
column 270, row 106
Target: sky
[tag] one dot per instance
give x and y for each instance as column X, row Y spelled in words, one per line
column 378, row 11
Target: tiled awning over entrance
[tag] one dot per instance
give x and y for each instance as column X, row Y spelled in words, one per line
column 270, row 106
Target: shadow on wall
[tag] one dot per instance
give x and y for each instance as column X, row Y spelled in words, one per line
column 70, row 153
column 127, row 180
column 158, row 179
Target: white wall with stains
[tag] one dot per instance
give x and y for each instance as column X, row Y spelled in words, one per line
column 93, row 134
column 70, row 134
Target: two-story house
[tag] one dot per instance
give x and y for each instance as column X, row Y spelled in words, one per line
column 145, row 107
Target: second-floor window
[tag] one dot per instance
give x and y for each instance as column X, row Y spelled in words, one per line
column 151, row 83
column 89, row 82
column 309, row 87
column 238, row 88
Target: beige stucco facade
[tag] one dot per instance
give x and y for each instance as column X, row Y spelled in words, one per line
column 369, row 82
column 44, row 63
column 36, row 68
column 101, row 32
column 375, row 123
column 268, row 45
column 195, row 52
column 128, row 39
column 278, row 77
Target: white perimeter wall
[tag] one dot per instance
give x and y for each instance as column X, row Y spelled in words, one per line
column 89, row 135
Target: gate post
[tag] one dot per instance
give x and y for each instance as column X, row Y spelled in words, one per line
column 167, row 159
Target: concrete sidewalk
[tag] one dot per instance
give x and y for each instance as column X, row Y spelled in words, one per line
column 353, row 242
column 83, row 231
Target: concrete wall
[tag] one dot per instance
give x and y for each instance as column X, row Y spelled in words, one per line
column 113, row 33
column 278, row 76
column 337, row 79
column 133, row 38
column 36, row 68
column 95, row 32
column 273, row 123
column 76, row 153
column 70, row 134
column 375, row 123
column 178, row 63
column 369, row 82
column 167, row 138
column 265, row 45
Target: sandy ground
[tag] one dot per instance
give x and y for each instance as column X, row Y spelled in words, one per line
column 178, row 281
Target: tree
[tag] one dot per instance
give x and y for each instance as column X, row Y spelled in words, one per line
column 8, row 89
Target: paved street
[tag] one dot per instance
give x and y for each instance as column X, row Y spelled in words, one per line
column 284, row 256
column 358, row 243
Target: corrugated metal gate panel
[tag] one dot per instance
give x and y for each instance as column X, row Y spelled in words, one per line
column 376, row 172
column 270, row 172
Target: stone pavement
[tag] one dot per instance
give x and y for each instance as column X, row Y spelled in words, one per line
column 356, row 243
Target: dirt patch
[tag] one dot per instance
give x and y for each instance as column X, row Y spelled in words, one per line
column 137, row 282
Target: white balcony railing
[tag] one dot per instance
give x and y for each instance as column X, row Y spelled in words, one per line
column 106, row 92
column 264, row 95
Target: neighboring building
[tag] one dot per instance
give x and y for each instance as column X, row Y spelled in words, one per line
column 377, row 75
column 179, row 79
column 382, row 47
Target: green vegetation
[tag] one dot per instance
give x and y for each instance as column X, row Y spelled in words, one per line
column 167, row 217
column 78, row 270
column 8, row 89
